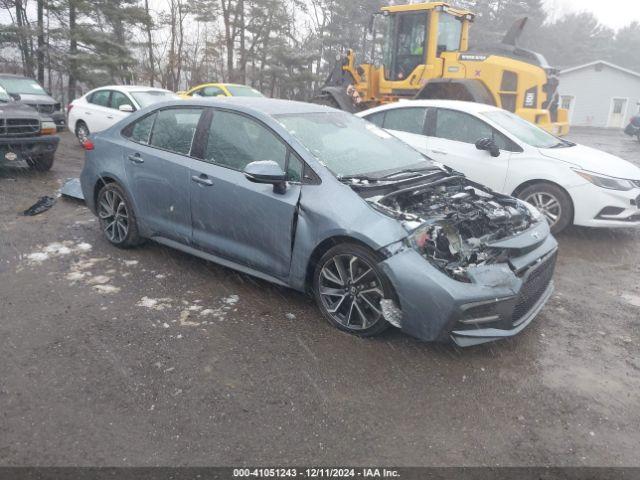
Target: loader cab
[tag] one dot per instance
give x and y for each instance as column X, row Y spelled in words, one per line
column 416, row 35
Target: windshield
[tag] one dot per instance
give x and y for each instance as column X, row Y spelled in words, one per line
column 243, row 91
column 4, row 96
column 22, row 86
column 350, row 146
column 523, row 130
column 145, row 99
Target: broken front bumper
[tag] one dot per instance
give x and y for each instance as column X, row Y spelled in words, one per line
column 497, row 304
column 12, row 150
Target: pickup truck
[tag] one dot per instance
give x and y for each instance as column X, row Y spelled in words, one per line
column 26, row 134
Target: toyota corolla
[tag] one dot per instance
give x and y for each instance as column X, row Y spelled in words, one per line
column 321, row 201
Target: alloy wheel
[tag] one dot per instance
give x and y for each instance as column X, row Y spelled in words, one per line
column 114, row 217
column 351, row 291
column 548, row 205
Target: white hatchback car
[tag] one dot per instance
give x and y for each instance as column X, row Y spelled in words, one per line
column 104, row 106
column 568, row 183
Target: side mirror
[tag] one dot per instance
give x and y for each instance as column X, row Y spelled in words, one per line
column 126, row 108
column 267, row 171
column 489, row 145
column 15, row 96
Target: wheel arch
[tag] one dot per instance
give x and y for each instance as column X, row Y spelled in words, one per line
column 468, row 90
column 323, row 247
column 528, row 183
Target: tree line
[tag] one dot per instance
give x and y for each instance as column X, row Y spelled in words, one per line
column 284, row 48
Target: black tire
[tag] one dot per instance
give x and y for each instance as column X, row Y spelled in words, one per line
column 326, row 100
column 82, row 131
column 361, row 295
column 107, row 197
column 546, row 190
column 42, row 163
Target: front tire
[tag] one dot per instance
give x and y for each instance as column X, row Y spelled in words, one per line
column 348, row 287
column 552, row 201
column 117, row 219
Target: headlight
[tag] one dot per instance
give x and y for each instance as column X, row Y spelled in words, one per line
column 418, row 238
column 535, row 213
column 47, row 128
column 604, row 181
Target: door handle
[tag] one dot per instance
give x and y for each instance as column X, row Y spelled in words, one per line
column 438, row 152
column 136, row 158
column 110, row 117
column 202, row 180
column 87, row 113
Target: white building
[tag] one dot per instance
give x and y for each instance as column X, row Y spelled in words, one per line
column 600, row 94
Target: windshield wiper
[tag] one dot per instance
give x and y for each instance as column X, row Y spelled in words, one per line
column 562, row 144
column 408, row 170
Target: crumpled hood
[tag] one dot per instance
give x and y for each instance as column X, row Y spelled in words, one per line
column 593, row 160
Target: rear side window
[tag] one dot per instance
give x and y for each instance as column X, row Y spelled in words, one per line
column 140, row 131
column 100, row 98
column 376, row 118
column 410, row 120
column 236, row 140
column 174, row 129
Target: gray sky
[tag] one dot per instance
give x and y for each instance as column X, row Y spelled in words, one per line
column 612, row 13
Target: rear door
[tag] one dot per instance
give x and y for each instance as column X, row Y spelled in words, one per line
column 96, row 111
column 452, row 135
column 157, row 161
column 232, row 217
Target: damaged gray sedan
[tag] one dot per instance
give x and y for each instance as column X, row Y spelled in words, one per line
column 324, row 202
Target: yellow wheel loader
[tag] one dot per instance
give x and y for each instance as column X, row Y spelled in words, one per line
column 425, row 55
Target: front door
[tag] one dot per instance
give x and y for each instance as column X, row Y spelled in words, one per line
column 232, row 217
column 452, row 138
column 618, row 112
column 157, row 161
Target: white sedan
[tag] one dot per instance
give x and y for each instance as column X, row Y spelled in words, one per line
column 104, row 106
column 568, row 183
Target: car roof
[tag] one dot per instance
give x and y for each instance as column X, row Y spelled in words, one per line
column 470, row 107
column 131, row 88
column 264, row 105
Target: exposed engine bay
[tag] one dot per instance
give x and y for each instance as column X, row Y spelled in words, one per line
column 454, row 222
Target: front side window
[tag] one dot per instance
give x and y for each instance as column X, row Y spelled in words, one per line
column 174, row 129
column 462, row 127
column 449, row 33
column 348, row 145
column 236, row 140
column 410, row 120
column 101, row 98
column 118, row 99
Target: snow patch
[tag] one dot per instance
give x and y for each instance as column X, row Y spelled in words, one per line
column 106, row 289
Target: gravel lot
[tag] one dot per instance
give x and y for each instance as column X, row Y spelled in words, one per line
column 153, row 357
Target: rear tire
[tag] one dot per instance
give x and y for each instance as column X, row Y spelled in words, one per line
column 326, row 100
column 82, row 131
column 348, row 287
column 117, row 218
column 552, row 201
column 42, row 163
